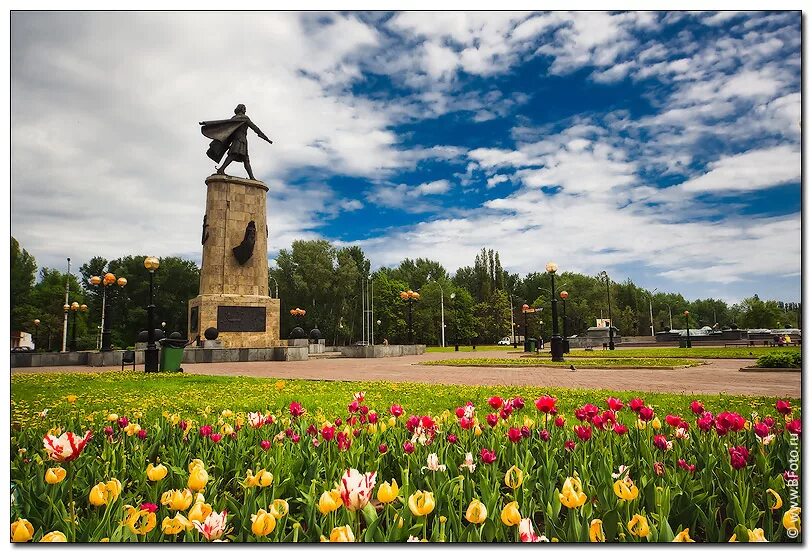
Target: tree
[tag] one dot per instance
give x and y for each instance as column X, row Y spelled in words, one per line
column 756, row 313
column 47, row 299
column 23, row 273
column 493, row 318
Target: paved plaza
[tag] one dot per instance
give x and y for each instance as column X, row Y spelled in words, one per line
column 716, row 376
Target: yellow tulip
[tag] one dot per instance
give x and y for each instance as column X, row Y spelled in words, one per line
column 262, row 523
column 792, row 519
column 638, row 526
column 572, row 496
column 156, row 473
column 510, row 514
column 477, row 431
column 421, row 503
column 265, row 478
column 113, row 489
column 756, row 535
column 476, row 512
column 625, row 490
column 198, row 478
column 279, row 508
column 21, row 531
column 139, row 521
column 778, row 503
column 54, row 537
column 176, row 525
column 392, row 421
column 383, row 426
column 596, row 531
column 342, row 534
column 227, row 413
column 132, row 429
column 98, row 495
column 514, row 477
column 177, row 500
column 387, row 493
column 640, row 424
column 656, row 424
column 199, row 512
column 71, row 399
column 55, row 475
column 683, row 537
column 331, row 500
column 112, row 417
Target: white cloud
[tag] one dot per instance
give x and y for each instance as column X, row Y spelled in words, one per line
column 753, row 170
column 434, row 187
column 497, row 179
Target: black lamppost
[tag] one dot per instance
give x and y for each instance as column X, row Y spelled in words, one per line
column 410, row 297
column 564, row 295
column 556, row 342
column 609, row 302
column 687, row 330
column 151, row 264
column 36, row 333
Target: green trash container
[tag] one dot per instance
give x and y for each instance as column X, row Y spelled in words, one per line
column 171, row 355
column 531, row 345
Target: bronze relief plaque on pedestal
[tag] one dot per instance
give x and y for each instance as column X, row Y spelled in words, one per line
column 232, row 318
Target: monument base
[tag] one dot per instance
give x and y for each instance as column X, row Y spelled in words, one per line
column 242, row 321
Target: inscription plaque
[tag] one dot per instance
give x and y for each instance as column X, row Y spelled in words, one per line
column 233, row 318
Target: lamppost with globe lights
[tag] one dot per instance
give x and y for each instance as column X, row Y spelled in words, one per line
column 108, row 280
column 409, row 296
column 556, row 342
column 609, row 304
column 456, row 323
column 564, row 295
column 36, row 333
column 687, row 329
column 151, row 264
column 75, row 308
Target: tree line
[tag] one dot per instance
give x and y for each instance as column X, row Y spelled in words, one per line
column 475, row 301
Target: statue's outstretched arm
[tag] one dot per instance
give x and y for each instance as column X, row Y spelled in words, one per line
column 259, row 132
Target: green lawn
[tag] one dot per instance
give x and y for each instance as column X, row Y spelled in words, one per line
column 578, row 362
column 675, row 352
column 126, row 393
column 438, row 349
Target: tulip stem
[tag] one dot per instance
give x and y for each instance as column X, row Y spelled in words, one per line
column 72, row 504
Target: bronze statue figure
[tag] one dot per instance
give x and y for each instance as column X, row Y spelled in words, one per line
column 231, row 135
column 245, row 250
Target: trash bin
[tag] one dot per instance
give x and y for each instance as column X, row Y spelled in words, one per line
column 530, row 345
column 171, row 355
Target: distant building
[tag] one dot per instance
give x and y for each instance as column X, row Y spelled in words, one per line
column 21, row 339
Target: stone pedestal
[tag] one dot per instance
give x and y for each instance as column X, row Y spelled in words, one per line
column 233, row 296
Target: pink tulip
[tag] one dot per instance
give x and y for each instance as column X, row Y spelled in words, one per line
column 408, row 447
column 265, row 444
column 544, row 435
column 487, row 456
column 452, row 438
column 296, row 409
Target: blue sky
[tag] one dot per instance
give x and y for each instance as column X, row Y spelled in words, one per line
column 661, row 146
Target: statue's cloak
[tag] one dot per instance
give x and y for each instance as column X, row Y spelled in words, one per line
column 222, row 133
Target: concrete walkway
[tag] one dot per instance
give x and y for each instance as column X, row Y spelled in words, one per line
column 717, row 376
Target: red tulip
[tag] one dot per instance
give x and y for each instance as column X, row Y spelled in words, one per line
column 311, row 430
column 496, row 402
column 697, row 407
column 122, row 422
column 525, row 432
column 506, row 411
column 492, row 419
column 328, row 433
column 614, row 403
column 783, row 407
column 738, row 456
column 382, row 448
column 142, row 434
column 619, row 429
column 352, row 421
column 514, row 434
column 583, row 432
column 265, row 444
column 205, row 430
column 769, row 421
column 460, row 412
column 705, row 422
column 636, row 404
column 427, row 422
column 364, row 409
column 151, row 507
column 466, row 423
column 108, row 430
column 597, row 421
column 559, row 421
column 296, row 409
column 216, row 438
column 356, row 432
column 408, row 447
column 452, row 438
column 645, row 413
column 609, row 417
column 544, row 435
column 545, row 404
column 412, row 422
column 673, row 420
column 373, row 417
column 685, row 466
column 660, row 442
column 487, row 456
column 517, row 403
column 396, row 410
column 569, row 445
column 353, row 407
column 794, row 427
column 761, row 430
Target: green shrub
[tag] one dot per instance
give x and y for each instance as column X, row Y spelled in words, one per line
column 780, row 359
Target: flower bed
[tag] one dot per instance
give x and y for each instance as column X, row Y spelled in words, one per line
column 500, row 470
column 780, row 359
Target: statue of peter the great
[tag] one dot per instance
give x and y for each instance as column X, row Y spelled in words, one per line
column 231, row 135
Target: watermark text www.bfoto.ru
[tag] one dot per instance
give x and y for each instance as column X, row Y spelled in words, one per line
column 792, row 482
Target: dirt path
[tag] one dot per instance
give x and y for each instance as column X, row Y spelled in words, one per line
column 717, row 376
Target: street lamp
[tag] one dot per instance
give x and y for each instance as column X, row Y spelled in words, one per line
column 151, row 264
column 75, row 307
column 687, row 329
column 36, row 333
column 651, row 311
column 276, row 286
column 609, row 302
column 456, row 324
column 566, row 343
column 410, row 297
column 556, row 343
column 108, row 280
